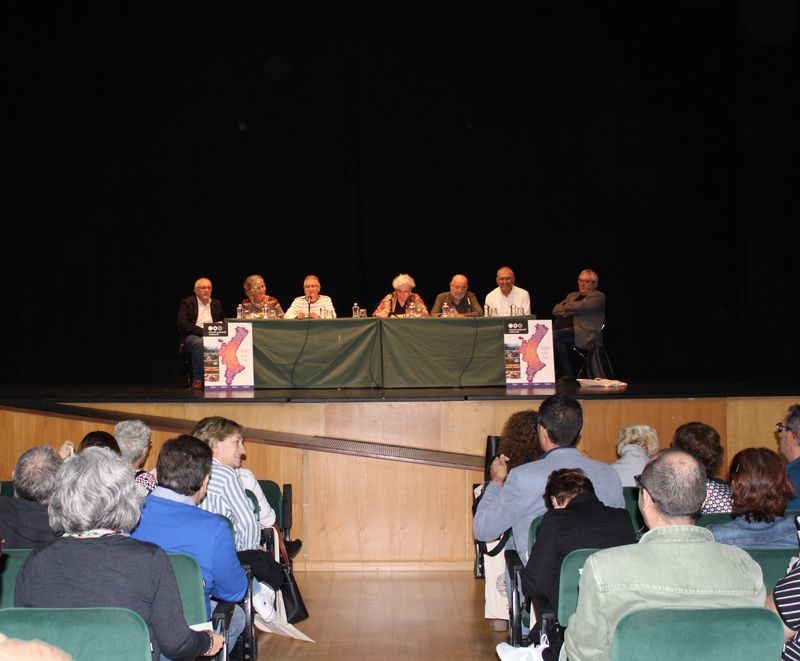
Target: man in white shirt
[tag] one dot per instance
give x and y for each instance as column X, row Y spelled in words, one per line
column 500, row 300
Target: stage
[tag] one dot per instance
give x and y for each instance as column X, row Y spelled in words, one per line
column 382, row 478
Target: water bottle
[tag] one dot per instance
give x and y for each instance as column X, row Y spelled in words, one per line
column 239, row 311
column 355, row 310
column 412, row 309
column 445, row 309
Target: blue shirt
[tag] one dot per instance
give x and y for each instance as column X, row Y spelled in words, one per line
column 780, row 533
column 177, row 525
column 793, row 469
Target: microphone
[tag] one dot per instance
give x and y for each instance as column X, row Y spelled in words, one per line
column 308, row 298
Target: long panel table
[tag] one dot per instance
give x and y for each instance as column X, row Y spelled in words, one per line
column 384, row 353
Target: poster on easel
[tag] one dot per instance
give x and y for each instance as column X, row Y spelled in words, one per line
column 228, row 356
column 528, row 352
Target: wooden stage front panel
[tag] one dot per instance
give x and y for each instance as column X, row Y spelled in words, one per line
column 362, row 513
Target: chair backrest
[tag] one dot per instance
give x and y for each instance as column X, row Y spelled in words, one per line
column 10, row 563
column 713, row 634
column 568, row 583
column 726, row 517
column 774, row 563
column 631, row 495
column 87, row 634
column 532, row 532
column 274, row 496
column 190, row 584
column 7, row 488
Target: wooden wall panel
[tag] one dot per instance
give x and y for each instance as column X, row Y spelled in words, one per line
column 360, row 513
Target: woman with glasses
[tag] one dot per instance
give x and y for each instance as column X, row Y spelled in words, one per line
column 761, row 490
column 789, row 438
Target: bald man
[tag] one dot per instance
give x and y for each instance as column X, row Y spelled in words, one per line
column 507, row 294
column 462, row 303
column 194, row 311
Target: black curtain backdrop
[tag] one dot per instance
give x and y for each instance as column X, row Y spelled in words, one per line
column 148, row 145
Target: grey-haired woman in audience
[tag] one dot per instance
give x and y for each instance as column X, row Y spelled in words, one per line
column 635, row 445
column 96, row 564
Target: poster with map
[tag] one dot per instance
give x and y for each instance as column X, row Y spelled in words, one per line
column 228, row 356
column 528, row 352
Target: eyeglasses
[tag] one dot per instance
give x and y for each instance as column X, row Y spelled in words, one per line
column 638, row 480
column 779, row 427
column 584, row 281
column 458, row 286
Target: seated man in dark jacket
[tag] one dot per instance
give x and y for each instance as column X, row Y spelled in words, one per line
column 575, row 519
column 23, row 518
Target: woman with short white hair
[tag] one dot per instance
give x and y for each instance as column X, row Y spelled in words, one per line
column 402, row 302
column 635, row 445
column 95, row 563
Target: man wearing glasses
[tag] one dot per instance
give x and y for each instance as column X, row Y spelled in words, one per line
column 789, row 440
column 578, row 321
column 461, row 303
column 676, row 564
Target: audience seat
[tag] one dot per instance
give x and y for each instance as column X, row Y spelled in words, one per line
column 631, row 495
column 10, row 563
column 774, row 563
column 88, row 634
column 710, row 634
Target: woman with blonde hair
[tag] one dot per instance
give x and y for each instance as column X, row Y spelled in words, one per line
column 635, row 445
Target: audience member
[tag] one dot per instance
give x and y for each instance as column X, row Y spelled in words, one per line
column 226, row 496
column 170, row 518
column 675, row 564
column 257, row 302
column 402, row 302
column 312, row 304
column 635, row 445
column 14, row 649
column 193, row 312
column 575, row 519
column 461, row 303
column 23, row 518
column 702, row 441
column 761, row 488
column 499, row 301
column 579, row 320
column 96, row 563
column 783, row 600
column 99, row 439
column 519, row 439
column 135, row 441
column 513, row 499
column 789, row 440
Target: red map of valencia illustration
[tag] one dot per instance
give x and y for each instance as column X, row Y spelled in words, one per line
column 529, row 352
column 228, row 355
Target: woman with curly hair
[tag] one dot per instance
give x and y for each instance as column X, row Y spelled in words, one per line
column 519, row 440
column 761, row 489
column 702, row 441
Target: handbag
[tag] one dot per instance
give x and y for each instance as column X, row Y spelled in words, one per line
column 292, row 599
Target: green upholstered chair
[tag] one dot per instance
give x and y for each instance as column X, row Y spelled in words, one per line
column 10, row 563
column 190, row 584
column 710, row 634
column 568, row 583
column 87, row 634
column 7, row 488
column 631, row 495
column 774, row 563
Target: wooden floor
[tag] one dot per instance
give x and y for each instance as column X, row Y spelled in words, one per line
column 391, row 616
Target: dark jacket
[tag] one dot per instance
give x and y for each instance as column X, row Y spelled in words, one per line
column 187, row 316
column 24, row 523
column 584, row 523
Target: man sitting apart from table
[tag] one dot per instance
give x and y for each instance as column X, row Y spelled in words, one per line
column 171, row 519
column 193, row 312
column 24, row 521
column 461, row 303
column 675, row 564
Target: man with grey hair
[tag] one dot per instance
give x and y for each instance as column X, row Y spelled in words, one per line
column 23, row 518
column 133, row 437
column 676, row 564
